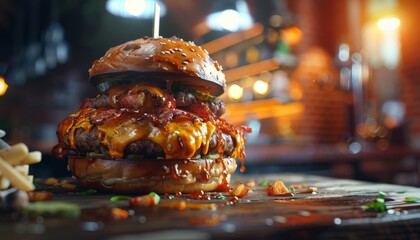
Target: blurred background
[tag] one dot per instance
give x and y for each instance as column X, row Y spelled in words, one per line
column 329, row 87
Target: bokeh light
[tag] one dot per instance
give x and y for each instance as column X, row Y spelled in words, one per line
column 387, row 24
column 260, row 87
column 3, row 86
column 235, row 92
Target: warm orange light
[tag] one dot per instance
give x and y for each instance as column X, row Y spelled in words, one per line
column 388, row 24
column 3, row 86
column 261, row 87
column 232, row 59
column 235, row 92
column 291, row 35
column 252, row 55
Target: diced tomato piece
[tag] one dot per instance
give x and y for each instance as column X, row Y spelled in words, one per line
column 240, row 191
column 119, row 214
column 278, row 189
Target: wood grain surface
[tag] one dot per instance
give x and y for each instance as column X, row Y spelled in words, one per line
column 335, row 211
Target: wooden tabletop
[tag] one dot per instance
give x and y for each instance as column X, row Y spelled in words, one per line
column 335, row 211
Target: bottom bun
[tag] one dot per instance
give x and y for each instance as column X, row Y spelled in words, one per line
column 160, row 176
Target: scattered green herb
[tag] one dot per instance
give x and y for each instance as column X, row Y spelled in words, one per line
column 412, row 199
column 156, row 197
column 87, row 192
column 52, row 209
column 292, row 189
column 119, row 198
column 378, row 205
column 265, row 183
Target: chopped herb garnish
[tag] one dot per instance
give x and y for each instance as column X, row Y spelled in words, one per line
column 87, row 192
column 265, row 183
column 412, row 199
column 119, row 198
column 155, row 196
column 378, row 205
column 292, row 189
column 52, row 209
column 221, row 197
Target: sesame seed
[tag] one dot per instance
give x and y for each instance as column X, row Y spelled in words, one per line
column 192, row 49
column 162, row 43
column 184, row 68
column 185, row 62
column 184, row 54
column 165, row 68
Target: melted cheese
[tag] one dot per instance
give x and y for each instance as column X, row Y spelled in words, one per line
column 179, row 138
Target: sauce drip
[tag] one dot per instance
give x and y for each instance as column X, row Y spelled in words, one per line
column 224, row 186
column 198, row 194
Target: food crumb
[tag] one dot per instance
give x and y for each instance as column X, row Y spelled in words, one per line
column 250, row 184
column 51, row 181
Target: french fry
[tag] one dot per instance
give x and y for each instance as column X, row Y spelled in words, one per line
column 30, row 178
column 16, row 179
column 15, row 153
column 32, row 157
column 23, row 169
column 4, row 183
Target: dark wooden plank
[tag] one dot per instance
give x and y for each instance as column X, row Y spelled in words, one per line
column 334, row 212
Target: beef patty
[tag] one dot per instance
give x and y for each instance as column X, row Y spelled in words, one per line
column 89, row 142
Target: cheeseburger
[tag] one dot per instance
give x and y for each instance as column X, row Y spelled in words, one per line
column 156, row 124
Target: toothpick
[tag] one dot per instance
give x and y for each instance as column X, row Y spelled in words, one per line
column 156, row 22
